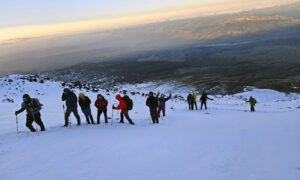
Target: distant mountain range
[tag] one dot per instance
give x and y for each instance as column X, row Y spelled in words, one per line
column 222, row 53
column 269, row 59
column 44, row 54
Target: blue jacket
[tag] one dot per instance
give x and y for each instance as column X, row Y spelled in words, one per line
column 30, row 107
column 162, row 102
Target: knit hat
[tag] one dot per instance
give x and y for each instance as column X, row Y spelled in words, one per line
column 81, row 95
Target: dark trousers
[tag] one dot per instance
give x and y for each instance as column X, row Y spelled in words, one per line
column 99, row 114
column 154, row 115
column 68, row 112
column 252, row 108
column 203, row 103
column 36, row 118
column 190, row 106
column 195, row 105
column 88, row 115
column 127, row 117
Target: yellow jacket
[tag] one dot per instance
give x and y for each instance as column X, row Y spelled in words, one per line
column 252, row 101
column 195, row 96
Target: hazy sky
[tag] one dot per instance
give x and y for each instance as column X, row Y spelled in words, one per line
column 33, row 18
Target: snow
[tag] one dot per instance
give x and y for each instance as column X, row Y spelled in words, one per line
column 224, row 142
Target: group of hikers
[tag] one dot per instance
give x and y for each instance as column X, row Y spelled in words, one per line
column 156, row 104
column 192, row 100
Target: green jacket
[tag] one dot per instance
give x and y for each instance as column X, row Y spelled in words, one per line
column 252, row 101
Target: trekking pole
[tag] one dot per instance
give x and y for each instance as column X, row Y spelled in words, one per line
column 35, row 124
column 17, row 122
column 112, row 116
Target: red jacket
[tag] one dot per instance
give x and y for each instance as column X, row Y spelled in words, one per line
column 101, row 104
column 122, row 104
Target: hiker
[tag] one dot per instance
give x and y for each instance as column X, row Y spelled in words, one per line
column 203, row 100
column 85, row 103
column 123, row 107
column 252, row 102
column 32, row 107
column 190, row 100
column 71, row 103
column 162, row 104
column 152, row 103
column 101, row 104
column 195, row 100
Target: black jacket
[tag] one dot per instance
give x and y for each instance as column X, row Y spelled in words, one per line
column 190, row 98
column 204, row 98
column 31, row 107
column 85, row 103
column 152, row 102
column 70, row 98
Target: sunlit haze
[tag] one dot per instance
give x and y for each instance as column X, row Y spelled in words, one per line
column 34, row 18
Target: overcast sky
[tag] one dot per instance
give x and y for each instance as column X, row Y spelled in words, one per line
column 32, row 18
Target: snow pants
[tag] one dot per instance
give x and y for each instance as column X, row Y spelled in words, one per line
column 68, row 112
column 36, row 118
column 154, row 115
column 252, row 108
column 163, row 111
column 88, row 115
column 99, row 114
column 127, row 117
column 190, row 105
column 194, row 105
column 203, row 103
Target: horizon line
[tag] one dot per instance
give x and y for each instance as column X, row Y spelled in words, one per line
column 16, row 34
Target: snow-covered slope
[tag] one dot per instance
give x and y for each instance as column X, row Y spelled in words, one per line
column 224, row 142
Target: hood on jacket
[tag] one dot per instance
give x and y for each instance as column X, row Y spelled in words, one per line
column 118, row 97
column 26, row 98
column 100, row 96
column 67, row 91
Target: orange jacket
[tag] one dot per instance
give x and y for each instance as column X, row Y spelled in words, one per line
column 122, row 104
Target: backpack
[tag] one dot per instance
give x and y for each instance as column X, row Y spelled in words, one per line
column 37, row 104
column 129, row 102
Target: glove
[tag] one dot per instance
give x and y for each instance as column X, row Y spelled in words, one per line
column 17, row 112
column 113, row 107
